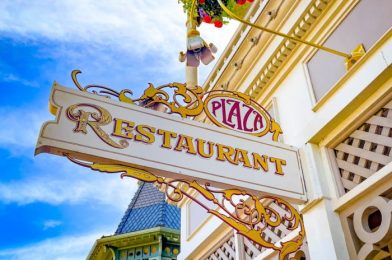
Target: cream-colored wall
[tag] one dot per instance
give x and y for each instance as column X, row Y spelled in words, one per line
column 203, row 238
column 294, row 106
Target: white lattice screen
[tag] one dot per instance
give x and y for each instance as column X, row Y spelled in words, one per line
column 225, row 251
column 270, row 234
column 366, row 150
column 252, row 250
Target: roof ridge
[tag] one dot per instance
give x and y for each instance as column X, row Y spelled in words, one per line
column 163, row 215
column 129, row 208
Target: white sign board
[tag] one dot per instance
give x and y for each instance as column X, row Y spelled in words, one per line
column 98, row 129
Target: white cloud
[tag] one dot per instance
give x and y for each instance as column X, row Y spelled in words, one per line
column 60, row 248
column 19, row 128
column 140, row 26
column 150, row 29
column 51, row 223
column 16, row 79
column 51, row 179
column 73, row 189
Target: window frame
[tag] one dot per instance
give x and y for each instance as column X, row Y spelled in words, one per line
column 324, row 35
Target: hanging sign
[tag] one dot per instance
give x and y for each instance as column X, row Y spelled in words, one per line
column 94, row 128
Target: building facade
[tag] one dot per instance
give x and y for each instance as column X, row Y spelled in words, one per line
column 339, row 118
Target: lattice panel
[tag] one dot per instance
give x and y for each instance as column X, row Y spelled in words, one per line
column 270, row 234
column 366, row 150
column 225, row 251
column 252, row 250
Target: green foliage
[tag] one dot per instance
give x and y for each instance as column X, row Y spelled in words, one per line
column 213, row 9
column 239, row 10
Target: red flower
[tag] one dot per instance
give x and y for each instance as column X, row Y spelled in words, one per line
column 207, row 19
column 202, row 1
column 241, row 2
column 218, row 23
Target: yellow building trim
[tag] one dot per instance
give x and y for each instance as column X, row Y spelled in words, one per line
column 223, row 71
column 235, row 40
column 362, row 107
column 286, row 36
column 324, row 25
column 286, row 10
column 269, row 72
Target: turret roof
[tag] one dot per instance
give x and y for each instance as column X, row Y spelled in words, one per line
column 149, row 209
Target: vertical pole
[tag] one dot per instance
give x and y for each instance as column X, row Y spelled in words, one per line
column 191, row 76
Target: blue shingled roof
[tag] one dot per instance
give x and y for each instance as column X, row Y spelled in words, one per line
column 148, row 209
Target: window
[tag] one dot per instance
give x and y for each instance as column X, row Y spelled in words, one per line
column 365, row 24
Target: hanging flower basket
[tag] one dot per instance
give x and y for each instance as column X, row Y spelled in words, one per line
column 209, row 11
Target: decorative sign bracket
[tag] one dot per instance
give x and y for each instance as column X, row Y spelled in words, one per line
column 244, row 212
column 248, row 214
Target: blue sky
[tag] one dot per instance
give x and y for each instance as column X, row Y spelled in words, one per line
column 50, row 208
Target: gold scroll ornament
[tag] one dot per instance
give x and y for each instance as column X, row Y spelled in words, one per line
column 242, row 211
column 176, row 98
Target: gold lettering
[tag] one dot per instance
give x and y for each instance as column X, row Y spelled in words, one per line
column 95, row 120
column 260, row 161
column 242, row 156
column 146, row 134
column 278, row 165
column 185, row 142
column 167, row 135
column 200, row 148
column 225, row 152
column 123, row 128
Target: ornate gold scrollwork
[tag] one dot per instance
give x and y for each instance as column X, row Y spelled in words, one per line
column 275, row 130
column 176, row 98
column 185, row 101
column 244, row 212
column 102, row 90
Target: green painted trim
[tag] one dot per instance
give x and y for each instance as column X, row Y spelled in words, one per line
column 138, row 239
column 138, row 233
